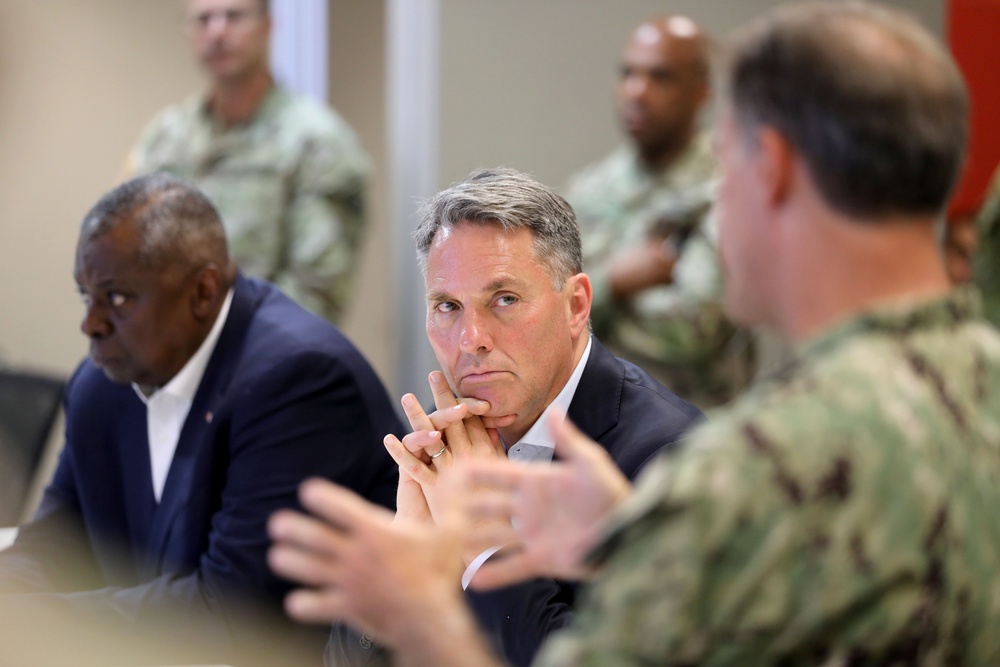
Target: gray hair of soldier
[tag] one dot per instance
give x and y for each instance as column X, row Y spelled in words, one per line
column 865, row 94
column 177, row 225
column 509, row 200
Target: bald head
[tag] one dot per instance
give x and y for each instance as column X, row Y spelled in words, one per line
column 664, row 83
column 681, row 37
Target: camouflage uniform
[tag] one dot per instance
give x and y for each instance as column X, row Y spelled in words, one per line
column 986, row 261
column 840, row 513
column 677, row 332
column 289, row 185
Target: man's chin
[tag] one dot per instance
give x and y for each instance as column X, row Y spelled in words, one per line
column 114, row 372
column 499, row 421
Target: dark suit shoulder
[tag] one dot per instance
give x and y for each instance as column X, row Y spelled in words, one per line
column 287, row 329
column 627, row 411
column 284, row 343
column 642, row 390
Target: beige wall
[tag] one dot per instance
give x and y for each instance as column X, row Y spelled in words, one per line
column 78, row 78
column 357, row 91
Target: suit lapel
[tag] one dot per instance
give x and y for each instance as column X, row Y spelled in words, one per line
column 193, row 452
column 133, row 449
column 597, row 403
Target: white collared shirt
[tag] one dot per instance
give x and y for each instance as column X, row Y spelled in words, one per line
column 540, row 434
column 167, row 407
column 536, row 444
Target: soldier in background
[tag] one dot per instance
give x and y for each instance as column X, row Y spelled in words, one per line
column 287, row 174
column 648, row 243
column 838, row 513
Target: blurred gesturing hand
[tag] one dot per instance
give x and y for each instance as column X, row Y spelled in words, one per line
column 453, row 432
column 360, row 565
column 548, row 516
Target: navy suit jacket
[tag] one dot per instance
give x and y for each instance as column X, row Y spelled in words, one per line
column 634, row 418
column 285, row 396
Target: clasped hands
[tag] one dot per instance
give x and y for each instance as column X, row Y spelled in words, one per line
column 392, row 575
column 456, row 431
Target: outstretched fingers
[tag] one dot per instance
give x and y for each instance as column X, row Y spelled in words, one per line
column 593, row 466
column 512, row 568
column 317, row 606
column 304, row 550
column 339, row 506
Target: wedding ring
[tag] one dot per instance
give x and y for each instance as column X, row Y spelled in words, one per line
column 439, row 452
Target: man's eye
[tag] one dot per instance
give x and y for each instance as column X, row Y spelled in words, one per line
column 236, row 15
column 506, row 300
column 116, row 299
column 445, row 307
column 85, row 298
column 662, row 75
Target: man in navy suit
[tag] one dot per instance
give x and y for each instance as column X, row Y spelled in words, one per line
column 207, row 399
column 508, row 309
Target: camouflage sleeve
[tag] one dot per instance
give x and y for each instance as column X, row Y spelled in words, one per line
column 736, row 553
column 680, row 323
column 663, row 565
column 683, row 316
column 686, row 316
column 325, row 221
column 597, row 244
column 602, row 227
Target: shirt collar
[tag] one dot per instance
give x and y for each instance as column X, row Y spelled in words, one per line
column 539, row 433
column 185, row 383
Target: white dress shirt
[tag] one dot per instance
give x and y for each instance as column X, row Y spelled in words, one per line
column 536, row 445
column 167, row 407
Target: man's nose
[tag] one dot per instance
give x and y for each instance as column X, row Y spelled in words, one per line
column 95, row 323
column 474, row 337
column 635, row 86
column 215, row 24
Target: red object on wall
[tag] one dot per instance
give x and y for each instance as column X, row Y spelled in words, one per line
column 973, row 33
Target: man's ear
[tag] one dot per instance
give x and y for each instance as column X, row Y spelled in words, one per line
column 206, row 293
column 581, row 295
column 775, row 165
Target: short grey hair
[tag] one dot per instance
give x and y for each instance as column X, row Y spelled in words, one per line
column 871, row 100
column 176, row 223
column 510, row 200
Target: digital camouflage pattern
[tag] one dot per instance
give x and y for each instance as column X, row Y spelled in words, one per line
column 289, row 186
column 986, row 261
column 676, row 332
column 841, row 513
